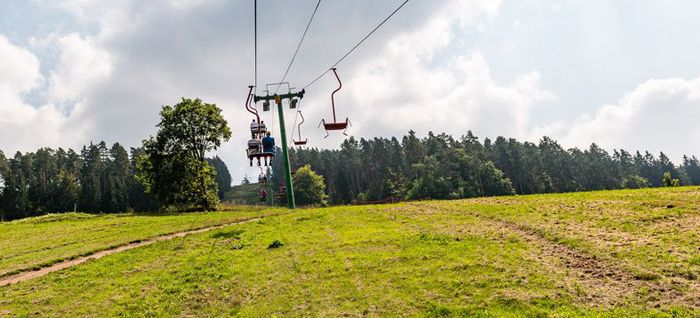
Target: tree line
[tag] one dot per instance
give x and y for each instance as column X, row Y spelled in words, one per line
column 96, row 179
column 442, row 167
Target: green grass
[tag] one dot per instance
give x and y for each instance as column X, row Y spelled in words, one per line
column 470, row 258
column 38, row 242
column 245, row 194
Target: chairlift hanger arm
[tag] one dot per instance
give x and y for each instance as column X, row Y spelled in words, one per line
column 247, row 101
column 251, row 109
column 340, row 85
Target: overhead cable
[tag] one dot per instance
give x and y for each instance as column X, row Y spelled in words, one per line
column 357, row 45
column 303, row 36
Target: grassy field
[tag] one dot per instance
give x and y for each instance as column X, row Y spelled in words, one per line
column 609, row 254
column 42, row 241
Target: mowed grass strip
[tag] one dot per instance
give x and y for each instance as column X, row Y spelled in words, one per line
column 38, row 242
column 416, row 259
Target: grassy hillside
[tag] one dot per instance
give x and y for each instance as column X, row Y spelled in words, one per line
column 245, row 194
column 616, row 254
column 42, row 241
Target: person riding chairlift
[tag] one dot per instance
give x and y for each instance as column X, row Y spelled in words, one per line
column 254, row 147
column 263, row 128
column 268, row 144
column 263, row 195
column 253, row 129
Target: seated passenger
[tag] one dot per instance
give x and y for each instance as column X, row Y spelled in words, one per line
column 268, row 144
column 253, row 129
column 263, row 128
column 254, row 147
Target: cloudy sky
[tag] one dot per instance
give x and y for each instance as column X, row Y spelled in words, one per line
column 623, row 74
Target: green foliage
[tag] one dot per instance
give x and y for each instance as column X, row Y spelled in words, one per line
column 42, row 182
column 173, row 167
column 223, row 177
column 669, row 181
column 179, row 181
column 635, row 182
column 309, row 187
column 493, row 181
column 439, row 166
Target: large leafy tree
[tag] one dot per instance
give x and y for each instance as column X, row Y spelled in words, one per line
column 174, row 167
column 309, row 187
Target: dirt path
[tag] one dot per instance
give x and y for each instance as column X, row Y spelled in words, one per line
column 13, row 279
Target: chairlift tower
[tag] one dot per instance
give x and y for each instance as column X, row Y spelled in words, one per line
column 278, row 98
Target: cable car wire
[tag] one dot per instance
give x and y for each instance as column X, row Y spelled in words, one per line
column 298, row 46
column 357, row 45
column 294, row 126
column 255, row 44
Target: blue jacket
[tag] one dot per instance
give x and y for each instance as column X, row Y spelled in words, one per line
column 268, row 144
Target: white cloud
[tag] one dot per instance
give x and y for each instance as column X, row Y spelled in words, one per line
column 81, row 65
column 404, row 87
column 23, row 126
column 19, row 69
column 659, row 115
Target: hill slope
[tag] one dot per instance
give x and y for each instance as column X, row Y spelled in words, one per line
column 616, row 253
column 244, row 194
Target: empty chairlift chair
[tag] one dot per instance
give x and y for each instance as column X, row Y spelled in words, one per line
column 300, row 142
column 335, row 125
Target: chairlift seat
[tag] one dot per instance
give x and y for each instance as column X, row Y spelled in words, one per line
column 258, row 154
column 335, row 126
column 300, row 142
column 254, row 143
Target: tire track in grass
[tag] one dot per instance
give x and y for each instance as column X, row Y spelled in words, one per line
column 606, row 283
column 23, row 276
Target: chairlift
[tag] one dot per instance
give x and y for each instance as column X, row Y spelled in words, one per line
column 254, row 149
column 300, row 142
column 281, row 192
column 335, row 125
column 262, row 178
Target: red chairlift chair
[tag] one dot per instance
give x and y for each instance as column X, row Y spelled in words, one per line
column 300, row 142
column 335, row 125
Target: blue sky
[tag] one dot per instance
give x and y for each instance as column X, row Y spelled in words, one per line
column 624, row 74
